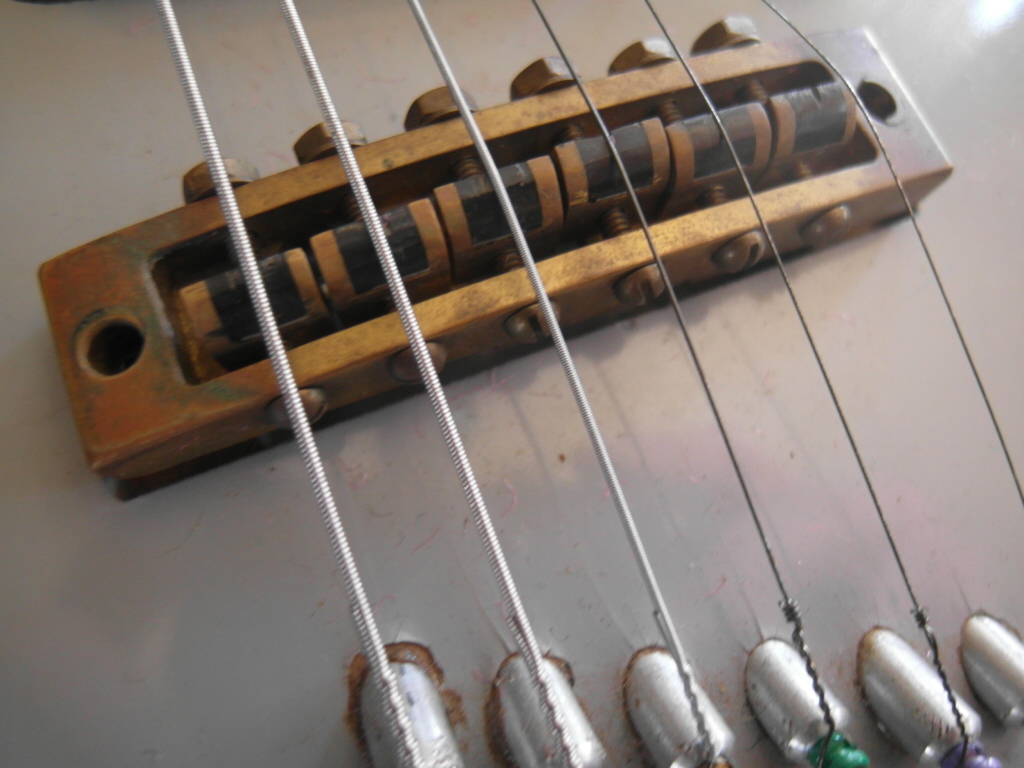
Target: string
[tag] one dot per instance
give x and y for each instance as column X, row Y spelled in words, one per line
column 516, row 617
column 661, row 613
column 919, row 613
column 362, row 613
column 912, row 214
column 300, row 422
column 788, row 604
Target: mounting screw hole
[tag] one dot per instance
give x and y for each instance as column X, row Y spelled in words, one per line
column 114, row 348
column 879, row 102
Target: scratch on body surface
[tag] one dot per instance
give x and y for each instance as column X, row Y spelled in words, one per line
column 515, row 496
column 355, row 476
column 471, row 391
column 496, row 383
column 140, row 25
column 427, row 540
column 380, row 602
column 719, row 588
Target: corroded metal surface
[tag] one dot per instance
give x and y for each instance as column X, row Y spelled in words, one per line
column 176, row 403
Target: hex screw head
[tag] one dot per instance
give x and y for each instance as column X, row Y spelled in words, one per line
column 730, row 32
column 434, row 106
column 316, row 143
column 543, row 75
column 644, row 53
column 197, row 183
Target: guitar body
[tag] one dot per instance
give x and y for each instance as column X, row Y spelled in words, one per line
column 205, row 624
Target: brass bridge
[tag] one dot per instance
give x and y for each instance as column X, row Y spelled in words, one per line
column 159, row 344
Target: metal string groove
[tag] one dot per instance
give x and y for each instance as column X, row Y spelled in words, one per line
column 920, row 236
column 661, row 613
column 919, row 613
column 362, row 613
column 517, row 619
column 789, row 606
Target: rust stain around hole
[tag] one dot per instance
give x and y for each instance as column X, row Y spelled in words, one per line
column 493, row 711
column 638, row 744
column 637, row 741
column 407, row 653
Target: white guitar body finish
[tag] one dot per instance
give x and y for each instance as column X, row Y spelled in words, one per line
column 204, row 624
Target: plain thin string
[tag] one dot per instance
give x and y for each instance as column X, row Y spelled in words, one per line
column 920, row 615
column 922, row 620
column 516, row 616
column 661, row 613
column 920, row 236
column 362, row 613
column 789, row 605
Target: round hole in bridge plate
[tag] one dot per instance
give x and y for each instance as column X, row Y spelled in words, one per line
column 880, row 103
column 113, row 347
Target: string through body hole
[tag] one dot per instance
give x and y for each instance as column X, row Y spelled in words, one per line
column 789, row 605
column 874, row 101
column 784, row 273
